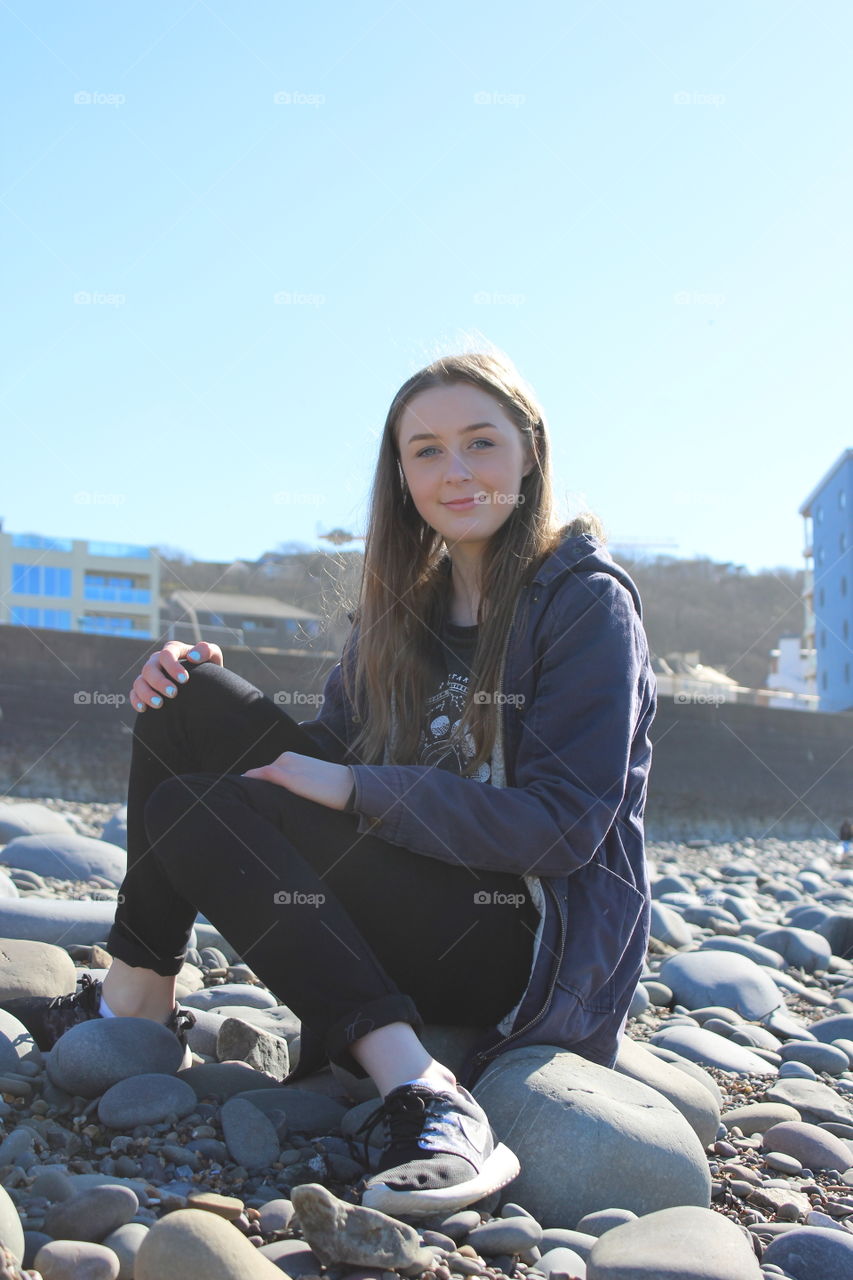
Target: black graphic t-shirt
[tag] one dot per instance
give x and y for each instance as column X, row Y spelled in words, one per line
column 449, row 677
column 443, row 705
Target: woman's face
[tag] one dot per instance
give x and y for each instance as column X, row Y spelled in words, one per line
column 463, row 459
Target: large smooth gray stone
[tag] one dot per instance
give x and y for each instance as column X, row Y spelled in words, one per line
column 92, row 1056
column 67, row 857
column 250, row 1137
column 589, row 1138
column 681, row 1243
column 34, row 969
column 838, row 1026
column 745, row 947
column 230, row 993
column 667, row 925
column 30, row 820
column 694, row 1101
column 815, row 1102
column 16, row 1044
column 192, row 1244
column 146, row 1099
column 802, row 948
column 699, row 978
column 125, row 1243
column 813, row 1253
column 711, row 1050
column 92, row 1214
column 8, row 888
column 811, row 1145
column 11, row 1231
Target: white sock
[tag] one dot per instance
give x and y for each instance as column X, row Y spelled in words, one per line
column 431, row 1083
column 104, row 1009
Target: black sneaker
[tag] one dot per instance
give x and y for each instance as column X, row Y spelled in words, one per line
column 442, row 1153
column 48, row 1017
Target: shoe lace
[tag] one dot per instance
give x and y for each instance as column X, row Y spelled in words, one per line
column 403, row 1113
column 89, row 989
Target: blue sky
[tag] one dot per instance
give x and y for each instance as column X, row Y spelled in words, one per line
column 232, row 231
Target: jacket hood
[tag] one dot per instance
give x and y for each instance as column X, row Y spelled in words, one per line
column 585, row 553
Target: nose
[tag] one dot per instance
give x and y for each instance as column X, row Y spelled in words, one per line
column 456, row 468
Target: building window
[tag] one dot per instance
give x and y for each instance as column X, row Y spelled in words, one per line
column 842, row 498
column 823, row 637
column 843, row 588
column 847, row 673
column 57, row 619
column 846, row 629
column 842, row 542
column 40, row 580
column 818, row 511
column 843, row 592
column 823, row 680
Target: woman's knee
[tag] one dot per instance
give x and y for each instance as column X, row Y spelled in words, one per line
column 172, row 803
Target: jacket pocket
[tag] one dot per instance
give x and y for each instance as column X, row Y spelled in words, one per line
column 602, row 913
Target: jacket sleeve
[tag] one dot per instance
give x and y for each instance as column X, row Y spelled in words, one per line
column 572, row 765
column 328, row 730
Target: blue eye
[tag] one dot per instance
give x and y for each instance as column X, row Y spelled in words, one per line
column 479, row 440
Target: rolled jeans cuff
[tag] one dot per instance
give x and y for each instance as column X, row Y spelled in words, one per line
column 138, row 956
column 369, row 1017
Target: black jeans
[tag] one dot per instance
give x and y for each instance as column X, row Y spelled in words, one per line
column 350, row 931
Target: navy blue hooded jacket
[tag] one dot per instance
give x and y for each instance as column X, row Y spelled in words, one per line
column 564, row 808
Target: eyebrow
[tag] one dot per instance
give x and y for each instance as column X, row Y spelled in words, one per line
column 429, row 435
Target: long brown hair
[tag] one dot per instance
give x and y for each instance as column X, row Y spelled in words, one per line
column 404, row 594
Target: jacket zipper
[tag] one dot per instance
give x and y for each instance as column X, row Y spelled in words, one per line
column 500, row 1046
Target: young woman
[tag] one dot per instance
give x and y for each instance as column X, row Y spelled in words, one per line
column 456, row 839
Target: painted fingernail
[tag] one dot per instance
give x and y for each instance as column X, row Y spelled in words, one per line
column 139, row 706
column 183, row 677
column 156, row 701
column 194, row 654
column 170, row 691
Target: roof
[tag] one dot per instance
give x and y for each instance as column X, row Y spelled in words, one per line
column 806, row 508
column 223, row 602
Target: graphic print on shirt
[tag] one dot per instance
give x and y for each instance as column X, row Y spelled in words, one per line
column 442, row 716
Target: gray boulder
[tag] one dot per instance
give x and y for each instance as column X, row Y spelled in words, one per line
column 115, row 829
column 681, row 1243
column 68, row 857
column 812, row 1253
column 91, row 1057
column 699, row 978
column 589, row 1138
column 34, row 969
column 711, row 1050
column 30, row 820
column 695, row 1102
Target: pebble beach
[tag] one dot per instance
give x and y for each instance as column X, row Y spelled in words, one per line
column 719, row 1148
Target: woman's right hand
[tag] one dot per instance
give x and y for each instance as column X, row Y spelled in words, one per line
column 162, row 675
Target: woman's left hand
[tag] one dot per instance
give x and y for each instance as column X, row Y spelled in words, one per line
column 320, row 780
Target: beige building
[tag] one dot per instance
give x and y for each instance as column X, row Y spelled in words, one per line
column 70, row 584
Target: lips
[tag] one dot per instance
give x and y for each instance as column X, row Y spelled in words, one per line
column 461, row 504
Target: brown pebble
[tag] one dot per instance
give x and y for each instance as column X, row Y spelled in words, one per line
column 225, row 1206
column 467, row 1251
